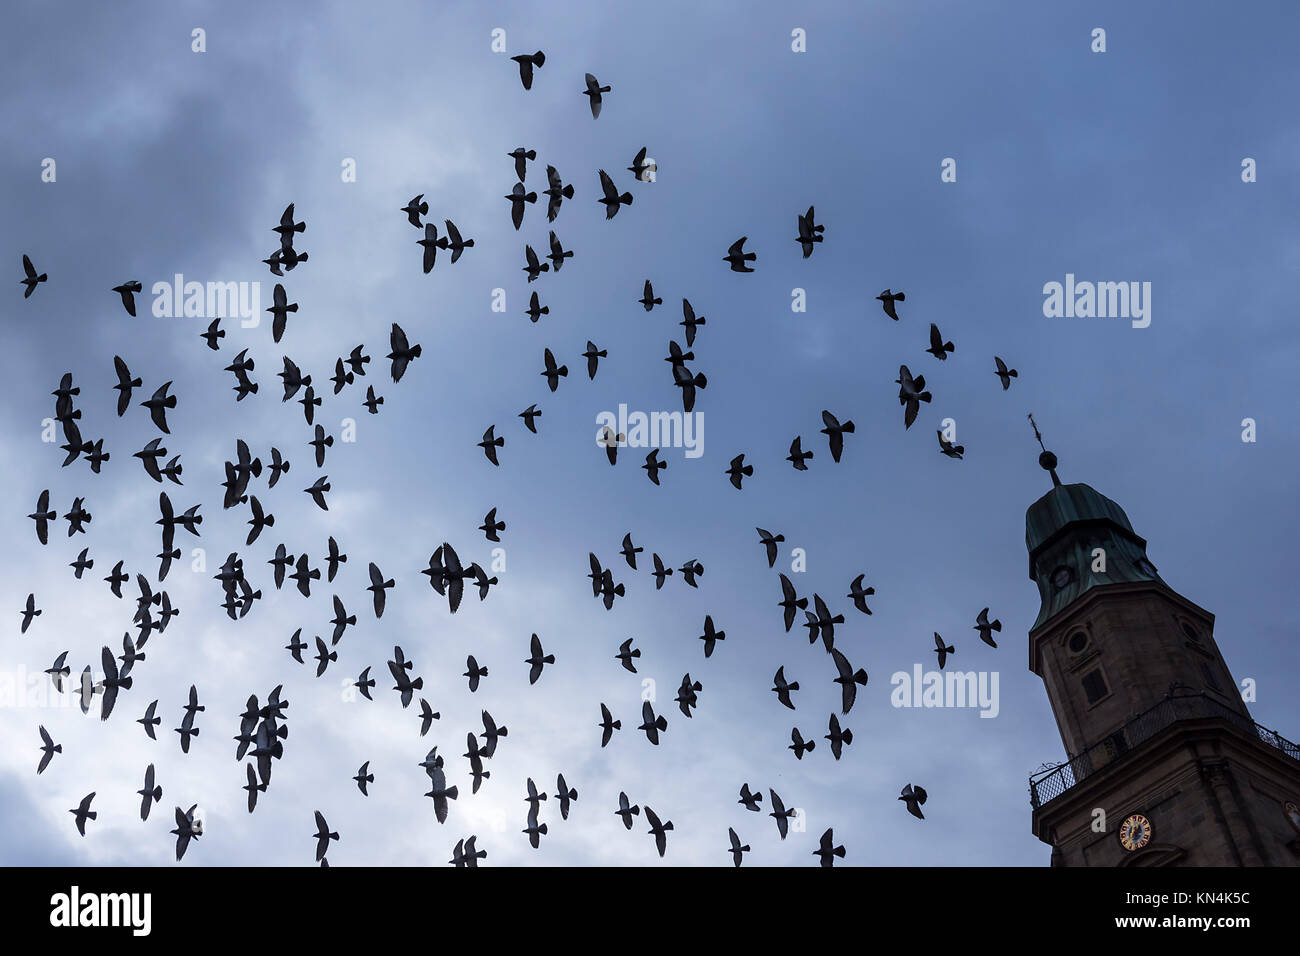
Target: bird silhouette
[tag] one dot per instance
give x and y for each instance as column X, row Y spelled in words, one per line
column 48, row 749
column 938, row 347
column 780, row 814
column 913, row 798
column 323, row 836
column 737, row 849
column 610, row 197
column 987, row 627
column 827, row 850
column 1003, row 373
column 941, row 649
column 658, row 829
column 809, row 232
column 738, row 257
column 887, row 300
column 594, row 92
column 83, row 813
column 30, row 280
column 608, row 725
column 783, row 687
column 527, row 63
column 648, row 300
column 626, row 810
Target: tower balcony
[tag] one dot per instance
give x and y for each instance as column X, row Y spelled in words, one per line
column 1048, row 784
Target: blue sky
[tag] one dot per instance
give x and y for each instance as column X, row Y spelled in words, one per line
column 1121, row 166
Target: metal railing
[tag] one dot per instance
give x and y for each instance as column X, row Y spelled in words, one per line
column 1051, row 782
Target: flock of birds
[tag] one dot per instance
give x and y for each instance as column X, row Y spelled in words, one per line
column 263, row 728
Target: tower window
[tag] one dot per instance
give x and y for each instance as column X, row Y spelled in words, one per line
column 1094, row 686
column 1078, row 641
column 1190, row 630
column 1208, row 673
column 1061, row 577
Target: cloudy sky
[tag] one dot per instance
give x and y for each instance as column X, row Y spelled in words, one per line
column 1117, row 166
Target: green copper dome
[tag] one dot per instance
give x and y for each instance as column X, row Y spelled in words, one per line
column 1065, row 505
column 1079, row 539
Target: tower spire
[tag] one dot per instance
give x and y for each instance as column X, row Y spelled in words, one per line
column 1046, row 460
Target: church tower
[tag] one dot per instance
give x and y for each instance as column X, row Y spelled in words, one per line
column 1166, row 767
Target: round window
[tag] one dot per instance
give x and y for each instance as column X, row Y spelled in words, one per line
column 1078, row 641
column 1190, row 630
column 1061, row 577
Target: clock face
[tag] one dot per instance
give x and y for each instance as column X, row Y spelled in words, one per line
column 1135, row 832
column 1292, row 812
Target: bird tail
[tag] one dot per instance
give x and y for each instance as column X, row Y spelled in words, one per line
column 996, row 625
column 860, row 677
column 450, row 794
column 563, row 370
column 847, row 428
column 662, row 723
column 539, row 58
column 617, row 725
column 567, row 191
column 415, row 351
column 417, row 684
column 424, row 208
column 124, row 683
column 701, row 381
column 792, row 686
column 848, row 736
column 625, row 199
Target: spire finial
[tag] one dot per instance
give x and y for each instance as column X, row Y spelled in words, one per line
column 1046, row 460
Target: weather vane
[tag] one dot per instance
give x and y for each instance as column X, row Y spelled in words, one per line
column 1047, row 460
